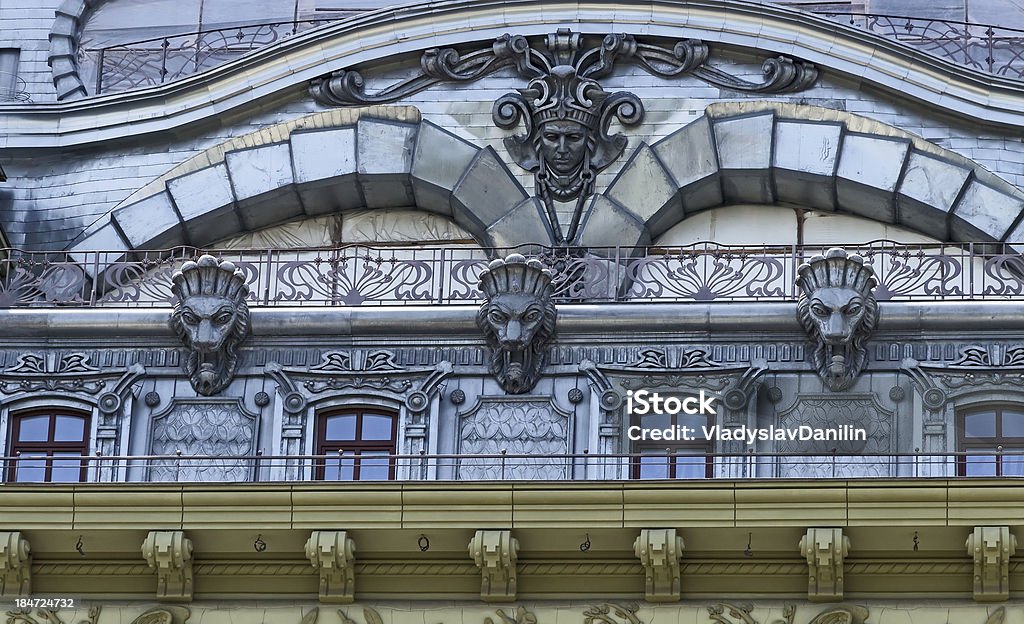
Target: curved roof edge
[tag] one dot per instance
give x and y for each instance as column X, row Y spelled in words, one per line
column 288, row 66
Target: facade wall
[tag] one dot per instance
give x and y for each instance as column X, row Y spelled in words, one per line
column 354, row 277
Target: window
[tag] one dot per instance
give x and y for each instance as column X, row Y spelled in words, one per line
column 358, row 443
column 677, row 459
column 981, row 432
column 12, row 88
column 48, row 445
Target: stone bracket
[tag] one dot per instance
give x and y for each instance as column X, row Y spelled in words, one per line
column 170, row 554
column 991, row 547
column 333, row 554
column 15, row 565
column 495, row 553
column 825, row 550
column 659, row 551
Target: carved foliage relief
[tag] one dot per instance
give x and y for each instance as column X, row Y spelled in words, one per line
column 518, row 426
column 217, row 429
column 603, row 613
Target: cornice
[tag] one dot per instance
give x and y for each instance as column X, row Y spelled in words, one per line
column 459, row 320
column 920, row 502
column 283, row 70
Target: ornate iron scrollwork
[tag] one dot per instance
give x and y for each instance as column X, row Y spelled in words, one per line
column 346, row 87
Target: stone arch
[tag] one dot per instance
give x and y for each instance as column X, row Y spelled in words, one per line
column 768, row 153
column 63, row 55
column 376, row 157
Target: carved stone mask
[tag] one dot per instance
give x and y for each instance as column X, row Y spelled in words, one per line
column 518, row 320
column 563, row 146
column 211, row 319
column 838, row 310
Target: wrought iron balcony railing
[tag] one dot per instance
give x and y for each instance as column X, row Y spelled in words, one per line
column 506, row 466
column 150, row 62
column 430, row 275
column 984, row 47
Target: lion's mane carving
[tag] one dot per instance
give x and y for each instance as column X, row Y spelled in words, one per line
column 518, row 320
column 211, row 318
column 838, row 310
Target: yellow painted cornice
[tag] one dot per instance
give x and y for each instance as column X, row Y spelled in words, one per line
column 575, row 539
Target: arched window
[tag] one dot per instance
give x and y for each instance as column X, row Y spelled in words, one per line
column 358, row 443
column 48, row 445
column 982, row 432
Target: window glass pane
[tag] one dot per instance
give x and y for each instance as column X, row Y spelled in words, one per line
column 30, row 470
column 376, row 427
column 980, row 425
column 695, row 422
column 341, row 427
column 656, row 421
column 34, row 429
column 373, row 466
column 1013, row 465
column 1013, row 424
column 983, row 465
column 339, row 469
column 66, row 470
column 653, row 467
column 69, row 429
column 691, row 467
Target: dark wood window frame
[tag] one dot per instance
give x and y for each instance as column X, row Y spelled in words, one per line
column 965, row 444
column 354, row 448
column 49, row 446
column 670, row 448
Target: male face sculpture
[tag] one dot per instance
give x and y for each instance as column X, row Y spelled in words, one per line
column 518, row 320
column 563, row 146
column 838, row 310
column 211, row 319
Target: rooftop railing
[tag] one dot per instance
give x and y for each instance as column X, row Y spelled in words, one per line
column 154, row 61
column 432, row 275
column 984, row 47
column 505, row 466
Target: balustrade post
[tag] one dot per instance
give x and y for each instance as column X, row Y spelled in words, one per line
column 99, row 70
column 163, row 59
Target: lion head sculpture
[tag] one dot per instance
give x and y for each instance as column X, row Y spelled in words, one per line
column 211, row 318
column 838, row 310
column 518, row 320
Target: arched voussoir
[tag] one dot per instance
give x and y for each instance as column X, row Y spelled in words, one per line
column 768, row 153
column 63, row 53
column 383, row 157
